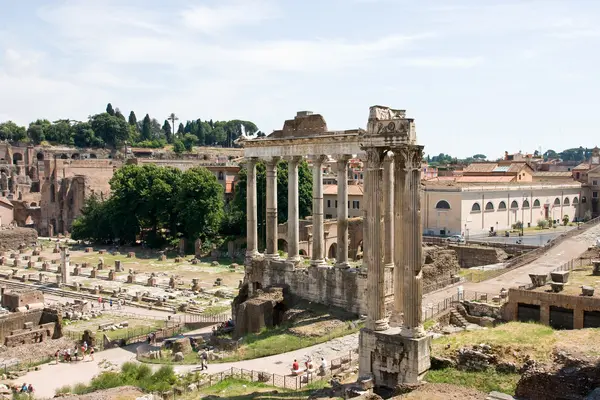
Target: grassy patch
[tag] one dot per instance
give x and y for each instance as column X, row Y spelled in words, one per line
column 485, row 381
column 428, row 324
column 215, row 310
column 137, row 327
column 239, row 389
column 534, row 339
column 279, row 340
column 133, row 374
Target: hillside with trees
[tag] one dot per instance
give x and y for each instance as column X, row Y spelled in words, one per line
column 111, row 129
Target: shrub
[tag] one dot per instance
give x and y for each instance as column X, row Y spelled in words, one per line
column 565, row 220
column 517, row 225
column 542, row 223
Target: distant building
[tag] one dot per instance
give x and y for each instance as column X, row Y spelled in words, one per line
column 355, row 196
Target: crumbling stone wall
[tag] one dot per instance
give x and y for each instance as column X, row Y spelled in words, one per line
column 476, row 256
column 439, row 266
column 258, row 312
column 10, row 239
column 343, row 288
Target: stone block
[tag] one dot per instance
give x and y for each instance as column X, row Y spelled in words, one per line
column 31, row 264
column 560, row 276
column 13, row 255
column 118, row 266
column 25, row 257
column 17, row 263
column 41, row 259
column 587, row 290
column 392, row 359
column 22, row 251
column 94, row 273
column 152, row 282
column 55, row 250
column 112, row 275
column 76, row 270
column 101, row 251
column 24, row 278
column 2, row 260
column 596, row 264
column 162, row 257
column 178, row 259
column 131, row 278
column 36, row 252
column 557, row 286
column 45, row 266
column 538, row 280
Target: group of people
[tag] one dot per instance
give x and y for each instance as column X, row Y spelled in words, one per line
column 102, row 303
column 69, row 355
column 25, row 388
column 308, row 365
column 151, row 338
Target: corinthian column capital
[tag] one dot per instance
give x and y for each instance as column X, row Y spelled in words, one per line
column 318, row 159
column 293, row 159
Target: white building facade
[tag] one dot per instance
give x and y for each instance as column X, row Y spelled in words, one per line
column 474, row 210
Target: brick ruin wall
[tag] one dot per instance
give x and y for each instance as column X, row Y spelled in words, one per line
column 476, row 256
column 29, row 327
column 10, row 239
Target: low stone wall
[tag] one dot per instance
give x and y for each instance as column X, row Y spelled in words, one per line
column 343, row 288
column 476, row 256
column 478, row 309
column 30, row 327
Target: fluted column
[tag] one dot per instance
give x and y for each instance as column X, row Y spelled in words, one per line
column 271, row 172
column 318, row 251
column 399, row 234
column 376, row 319
column 251, row 209
column 342, row 212
column 388, row 210
column 413, row 277
column 293, row 235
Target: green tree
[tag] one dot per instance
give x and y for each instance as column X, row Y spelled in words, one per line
column 118, row 114
column 180, row 129
column 112, row 130
column 109, row 110
column 84, row 136
column 199, row 204
column 480, row 157
column 146, row 128
column 189, row 141
column 11, row 131
column 37, row 130
column 167, row 130
column 132, row 119
column 59, row 132
column 178, row 146
column 95, row 221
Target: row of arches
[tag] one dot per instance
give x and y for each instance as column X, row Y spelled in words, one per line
column 502, row 206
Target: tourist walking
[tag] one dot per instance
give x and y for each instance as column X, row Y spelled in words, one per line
column 203, row 360
column 92, row 353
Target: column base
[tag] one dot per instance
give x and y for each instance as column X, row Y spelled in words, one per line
column 317, row 263
column 272, row 256
column 379, row 325
column 392, row 359
column 343, row 265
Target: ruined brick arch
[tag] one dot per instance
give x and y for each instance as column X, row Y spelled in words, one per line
column 92, row 155
column 33, row 204
column 40, row 156
column 303, row 253
column 332, row 252
column 64, row 157
column 75, row 156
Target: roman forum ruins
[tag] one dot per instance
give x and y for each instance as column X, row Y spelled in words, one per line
column 392, row 349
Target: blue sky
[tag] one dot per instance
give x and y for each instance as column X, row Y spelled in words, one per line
column 479, row 76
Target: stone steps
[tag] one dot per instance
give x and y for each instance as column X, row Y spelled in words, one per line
column 457, row 319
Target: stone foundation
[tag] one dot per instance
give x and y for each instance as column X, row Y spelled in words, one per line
column 345, row 288
column 391, row 359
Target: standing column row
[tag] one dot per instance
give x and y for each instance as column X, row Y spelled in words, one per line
column 342, row 212
column 271, row 173
column 293, row 234
column 318, row 250
column 251, row 209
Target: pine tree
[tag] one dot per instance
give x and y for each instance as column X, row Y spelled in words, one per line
column 181, row 129
column 132, row 119
column 167, row 130
column 146, row 128
column 110, row 110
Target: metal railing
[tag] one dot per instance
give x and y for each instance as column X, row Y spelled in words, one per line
column 439, row 308
column 570, row 265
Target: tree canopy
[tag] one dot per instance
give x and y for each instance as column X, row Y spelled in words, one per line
column 112, row 129
column 155, row 204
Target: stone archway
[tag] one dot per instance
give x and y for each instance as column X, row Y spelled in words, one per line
column 282, row 245
column 332, row 252
column 303, row 253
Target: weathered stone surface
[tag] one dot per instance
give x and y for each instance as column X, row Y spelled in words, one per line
column 538, row 280
column 560, row 276
column 182, row 346
column 557, row 286
column 178, row 356
column 587, row 290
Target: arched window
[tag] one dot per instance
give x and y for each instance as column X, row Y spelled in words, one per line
column 566, row 202
column 525, row 203
column 575, row 200
column 536, row 203
column 557, row 201
column 502, row 206
column 489, row 206
column 40, row 156
column 476, row 208
column 514, row 204
column 220, row 175
column 442, row 205
column 64, row 157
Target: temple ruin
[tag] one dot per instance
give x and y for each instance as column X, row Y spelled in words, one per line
column 388, row 288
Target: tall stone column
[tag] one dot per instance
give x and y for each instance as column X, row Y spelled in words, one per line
column 342, row 212
column 413, row 276
column 271, row 172
column 388, row 210
column 293, row 234
column 376, row 319
column 318, row 250
column 251, row 209
column 65, row 265
column 399, row 264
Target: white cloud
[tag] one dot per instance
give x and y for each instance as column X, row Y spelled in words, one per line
column 444, row 62
column 216, row 19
